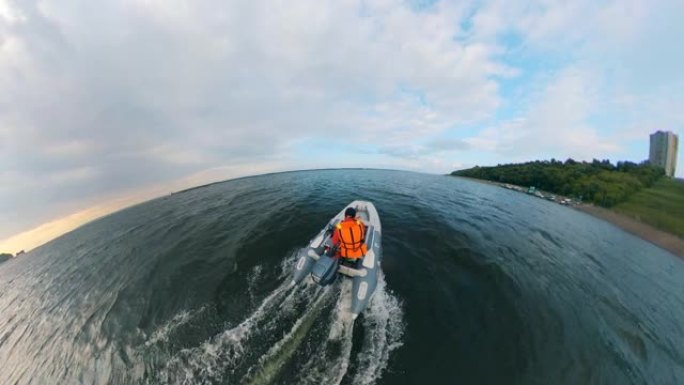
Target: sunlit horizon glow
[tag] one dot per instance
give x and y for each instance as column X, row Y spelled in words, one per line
column 111, row 105
column 35, row 237
column 46, row 232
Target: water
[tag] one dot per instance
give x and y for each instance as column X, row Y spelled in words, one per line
column 481, row 286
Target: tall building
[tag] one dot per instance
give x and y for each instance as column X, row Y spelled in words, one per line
column 663, row 151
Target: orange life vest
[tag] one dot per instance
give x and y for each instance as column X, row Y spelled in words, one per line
column 352, row 239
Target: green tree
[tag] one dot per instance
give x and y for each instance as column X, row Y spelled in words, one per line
column 598, row 181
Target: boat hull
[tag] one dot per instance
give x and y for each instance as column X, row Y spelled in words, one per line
column 364, row 275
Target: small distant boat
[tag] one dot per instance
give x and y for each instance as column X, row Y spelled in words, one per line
column 318, row 261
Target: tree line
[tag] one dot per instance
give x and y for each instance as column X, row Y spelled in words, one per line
column 599, row 181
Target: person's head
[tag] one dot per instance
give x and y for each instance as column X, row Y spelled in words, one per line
column 350, row 212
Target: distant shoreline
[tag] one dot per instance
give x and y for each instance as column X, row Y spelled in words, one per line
column 646, row 232
column 660, row 238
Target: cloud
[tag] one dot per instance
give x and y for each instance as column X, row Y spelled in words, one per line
column 434, row 147
column 594, row 78
column 555, row 121
column 103, row 99
column 145, row 92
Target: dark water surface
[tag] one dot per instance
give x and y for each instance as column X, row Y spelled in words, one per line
column 481, row 286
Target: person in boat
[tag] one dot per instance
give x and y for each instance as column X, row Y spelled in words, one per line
column 349, row 238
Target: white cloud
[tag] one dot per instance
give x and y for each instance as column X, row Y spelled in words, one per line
column 144, row 93
column 10, row 14
column 599, row 77
column 554, row 122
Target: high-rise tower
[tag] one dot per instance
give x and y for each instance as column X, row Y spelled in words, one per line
column 663, row 151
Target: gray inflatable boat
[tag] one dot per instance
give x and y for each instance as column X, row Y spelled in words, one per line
column 317, row 259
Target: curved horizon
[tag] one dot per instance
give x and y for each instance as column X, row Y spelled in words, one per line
column 44, row 233
column 197, row 92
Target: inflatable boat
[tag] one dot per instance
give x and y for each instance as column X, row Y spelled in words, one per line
column 318, row 260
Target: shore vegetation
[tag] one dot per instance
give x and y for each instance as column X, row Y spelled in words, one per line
column 599, row 182
column 661, row 206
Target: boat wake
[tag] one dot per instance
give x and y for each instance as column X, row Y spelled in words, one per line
column 306, row 330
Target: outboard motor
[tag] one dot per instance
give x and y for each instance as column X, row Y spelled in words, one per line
column 325, row 270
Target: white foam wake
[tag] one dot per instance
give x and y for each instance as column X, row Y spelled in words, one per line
column 162, row 334
column 270, row 363
column 258, row 348
column 207, row 361
column 212, row 358
column 385, row 327
column 253, row 281
column 329, row 363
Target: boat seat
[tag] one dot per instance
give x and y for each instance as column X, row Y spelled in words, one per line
column 353, row 263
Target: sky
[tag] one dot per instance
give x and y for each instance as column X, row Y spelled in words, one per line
column 108, row 103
